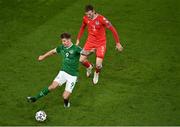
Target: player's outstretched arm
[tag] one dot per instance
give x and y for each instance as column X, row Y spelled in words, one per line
column 108, row 25
column 47, row 54
column 81, row 31
column 116, row 37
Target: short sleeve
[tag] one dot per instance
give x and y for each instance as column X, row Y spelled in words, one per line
column 79, row 49
column 58, row 49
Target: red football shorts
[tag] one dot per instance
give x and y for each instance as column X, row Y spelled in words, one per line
column 99, row 49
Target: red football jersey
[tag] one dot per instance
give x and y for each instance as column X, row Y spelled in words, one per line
column 96, row 30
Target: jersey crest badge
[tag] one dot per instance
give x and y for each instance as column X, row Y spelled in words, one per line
column 97, row 22
column 71, row 51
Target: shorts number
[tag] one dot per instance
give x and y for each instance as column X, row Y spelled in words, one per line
column 72, row 84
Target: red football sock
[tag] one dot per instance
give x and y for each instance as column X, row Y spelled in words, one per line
column 87, row 64
column 98, row 70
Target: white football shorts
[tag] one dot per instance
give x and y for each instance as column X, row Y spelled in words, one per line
column 64, row 77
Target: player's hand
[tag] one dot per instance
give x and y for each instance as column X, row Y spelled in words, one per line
column 40, row 58
column 77, row 42
column 119, row 47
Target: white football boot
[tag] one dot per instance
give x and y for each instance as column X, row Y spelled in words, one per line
column 89, row 71
column 96, row 78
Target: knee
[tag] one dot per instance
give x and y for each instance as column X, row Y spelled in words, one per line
column 82, row 59
column 98, row 66
column 52, row 87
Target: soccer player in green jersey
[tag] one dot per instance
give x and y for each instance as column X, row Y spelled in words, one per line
column 68, row 72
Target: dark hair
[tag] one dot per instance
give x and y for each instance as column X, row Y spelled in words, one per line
column 65, row 35
column 89, row 8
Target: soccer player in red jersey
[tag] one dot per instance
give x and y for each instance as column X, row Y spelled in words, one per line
column 96, row 40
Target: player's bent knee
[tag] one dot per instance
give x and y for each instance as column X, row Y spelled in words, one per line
column 82, row 59
column 53, row 86
column 98, row 66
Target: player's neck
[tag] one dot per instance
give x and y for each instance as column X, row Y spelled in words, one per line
column 95, row 16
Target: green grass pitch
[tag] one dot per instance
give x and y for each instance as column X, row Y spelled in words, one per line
column 140, row 86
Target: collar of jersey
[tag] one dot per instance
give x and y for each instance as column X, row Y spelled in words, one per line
column 69, row 46
column 95, row 17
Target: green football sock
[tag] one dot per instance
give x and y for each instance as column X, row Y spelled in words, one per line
column 42, row 93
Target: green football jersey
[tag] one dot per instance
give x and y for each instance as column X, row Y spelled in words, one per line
column 70, row 63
